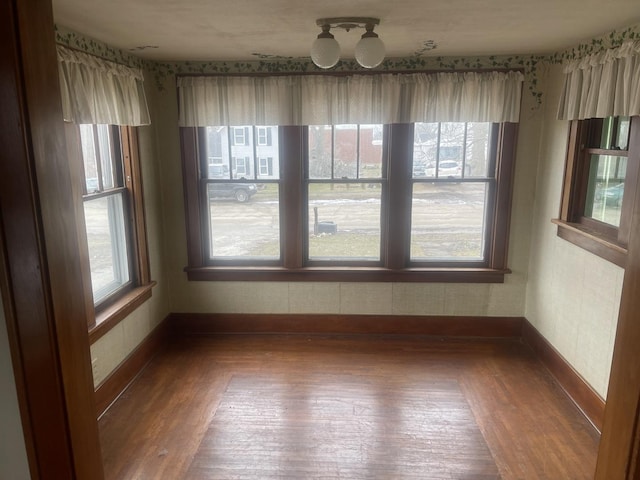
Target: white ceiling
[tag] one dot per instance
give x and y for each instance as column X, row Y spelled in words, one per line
column 239, row 29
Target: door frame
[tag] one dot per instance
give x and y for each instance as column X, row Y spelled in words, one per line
column 41, row 277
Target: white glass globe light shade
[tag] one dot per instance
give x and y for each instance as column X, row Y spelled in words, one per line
column 370, row 52
column 325, row 52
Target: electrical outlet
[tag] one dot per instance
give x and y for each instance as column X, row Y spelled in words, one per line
column 94, row 367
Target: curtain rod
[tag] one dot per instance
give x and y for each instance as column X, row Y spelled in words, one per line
column 350, row 72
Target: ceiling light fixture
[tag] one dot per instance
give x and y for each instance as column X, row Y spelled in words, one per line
column 369, row 52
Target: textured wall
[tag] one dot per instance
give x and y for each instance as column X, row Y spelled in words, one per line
column 352, row 298
column 572, row 295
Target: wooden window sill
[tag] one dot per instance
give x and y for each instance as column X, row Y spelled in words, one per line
column 592, row 242
column 347, row 274
column 112, row 315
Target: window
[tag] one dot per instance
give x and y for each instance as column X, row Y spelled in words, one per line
column 595, row 211
column 337, row 208
column 452, row 194
column 240, row 135
column 114, row 220
column 241, row 166
column 263, row 136
column 266, row 166
column 343, row 188
column 214, row 146
column 239, row 229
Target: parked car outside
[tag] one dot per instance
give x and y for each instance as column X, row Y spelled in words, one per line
column 419, row 169
column 446, row 169
column 240, row 191
column 613, row 195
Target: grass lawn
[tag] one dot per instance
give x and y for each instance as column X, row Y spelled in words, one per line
column 361, row 245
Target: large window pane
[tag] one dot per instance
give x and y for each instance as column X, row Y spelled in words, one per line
column 217, row 153
column 448, row 221
column 267, row 153
column 106, row 157
column 476, row 161
column 614, row 134
column 98, row 157
column 345, row 145
column 438, row 150
column 344, row 221
column 451, row 150
column 345, row 151
column 244, row 221
column 243, row 216
column 605, row 188
column 106, row 236
column 370, row 151
column 425, row 148
column 89, row 158
column 241, row 152
column 320, row 151
column 622, row 133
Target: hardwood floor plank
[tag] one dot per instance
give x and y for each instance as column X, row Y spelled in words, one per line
column 342, row 426
column 280, row 406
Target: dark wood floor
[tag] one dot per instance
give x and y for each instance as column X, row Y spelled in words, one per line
column 298, row 407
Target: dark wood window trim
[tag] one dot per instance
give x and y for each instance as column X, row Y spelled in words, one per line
column 591, row 241
column 114, row 313
column 113, row 309
column 605, row 241
column 396, row 266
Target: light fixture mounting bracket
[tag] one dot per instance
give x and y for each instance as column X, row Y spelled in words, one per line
column 347, row 23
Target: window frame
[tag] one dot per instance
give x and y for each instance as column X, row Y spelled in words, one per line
column 262, row 136
column 334, row 178
column 601, row 239
column 267, row 164
column 490, row 180
column 240, row 162
column 239, row 140
column 115, row 307
column 395, row 255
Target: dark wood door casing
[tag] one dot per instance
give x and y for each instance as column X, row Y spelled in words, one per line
column 40, row 268
column 618, row 454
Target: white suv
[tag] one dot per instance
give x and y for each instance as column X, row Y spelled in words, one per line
column 446, row 169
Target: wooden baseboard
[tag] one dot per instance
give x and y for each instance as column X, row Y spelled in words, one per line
column 118, row 380
column 215, row 323
column 587, row 400
column 580, row 392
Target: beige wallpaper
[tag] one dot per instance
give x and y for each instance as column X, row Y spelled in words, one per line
column 572, row 295
column 352, row 298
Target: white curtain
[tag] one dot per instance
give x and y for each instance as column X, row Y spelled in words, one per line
column 364, row 99
column 100, row 92
column 602, row 85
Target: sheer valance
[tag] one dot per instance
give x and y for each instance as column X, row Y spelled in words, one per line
column 350, row 99
column 100, row 92
column 601, row 85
